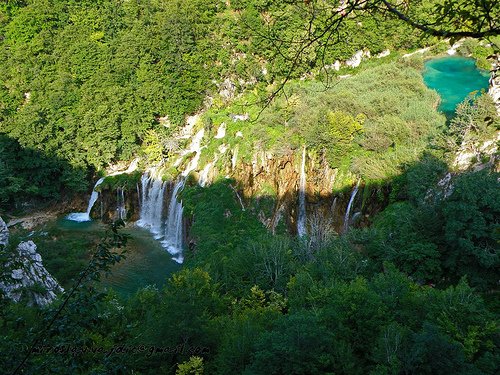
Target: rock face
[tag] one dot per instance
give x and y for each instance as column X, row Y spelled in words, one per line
column 356, row 59
column 494, row 90
column 478, row 156
column 24, row 276
column 4, row 233
column 116, row 204
column 274, row 180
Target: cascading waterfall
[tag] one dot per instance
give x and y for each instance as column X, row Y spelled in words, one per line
column 234, row 158
column 203, row 179
column 152, row 194
column 121, row 211
column 349, row 207
column 85, row 216
column 195, row 147
column 334, row 206
column 301, row 218
column 173, row 225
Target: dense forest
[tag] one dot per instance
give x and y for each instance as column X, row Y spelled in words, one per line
column 85, row 82
column 412, row 288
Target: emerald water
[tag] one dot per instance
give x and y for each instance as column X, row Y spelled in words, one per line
column 146, row 263
column 454, row 78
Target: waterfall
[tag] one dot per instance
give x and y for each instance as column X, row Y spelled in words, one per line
column 169, row 229
column 238, row 196
column 195, row 146
column 121, row 211
column 221, row 132
column 152, row 193
column 173, row 225
column 349, row 207
column 85, row 216
column 234, row 158
column 203, row 179
column 301, row 219
column 334, row 206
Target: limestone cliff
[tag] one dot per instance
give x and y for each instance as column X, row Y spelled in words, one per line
column 275, row 178
column 494, row 90
column 4, row 233
column 23, row 276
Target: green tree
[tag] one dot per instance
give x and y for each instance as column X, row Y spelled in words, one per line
column 471, row 228
column 192, row 367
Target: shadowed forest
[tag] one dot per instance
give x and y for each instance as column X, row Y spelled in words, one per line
column 333, row 213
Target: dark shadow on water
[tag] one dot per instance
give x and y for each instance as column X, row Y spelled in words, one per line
column 146, row 262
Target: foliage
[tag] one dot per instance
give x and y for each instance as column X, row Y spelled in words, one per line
column 335, row 135
column 27, row 174
column 127, row 181
column 475, row 120
column 86, row 83
column 452, row 238
column 62, row 324
column 192, row 367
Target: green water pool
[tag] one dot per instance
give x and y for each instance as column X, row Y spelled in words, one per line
column 146, row 262
column 454, row 77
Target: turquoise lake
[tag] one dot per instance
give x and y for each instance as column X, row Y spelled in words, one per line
column 146, row 262
column 454, row 78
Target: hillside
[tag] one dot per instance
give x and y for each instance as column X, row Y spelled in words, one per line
column 249, row 187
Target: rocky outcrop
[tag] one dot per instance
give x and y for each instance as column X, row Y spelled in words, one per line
column 269, row 184
column 118, row 203
column 24, row 278
column 35, row 219
column 494, row 89
column 357, row 58
column 4, row 233
column 477, row 156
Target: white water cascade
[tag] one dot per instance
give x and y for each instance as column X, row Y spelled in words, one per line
column 203, row 179
column 173, row 225
column 167, row 228
column 152, row 194
column 85, row 216
column 121, row 211
column 349, row 207
column 301, row 217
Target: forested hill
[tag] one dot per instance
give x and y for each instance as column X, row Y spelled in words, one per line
column 296, row 200
column 82, row 82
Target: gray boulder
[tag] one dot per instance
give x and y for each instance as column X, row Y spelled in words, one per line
column 23, row 274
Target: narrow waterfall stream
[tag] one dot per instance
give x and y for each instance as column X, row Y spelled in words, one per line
column 203, row 179
column 173, row 225
column 173, row 239
column 121, row 211
column 349, row 207
column 301, row 217
column 85, row 216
